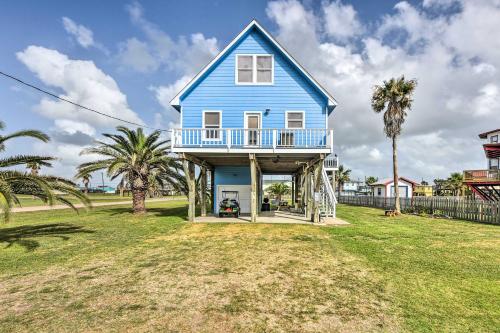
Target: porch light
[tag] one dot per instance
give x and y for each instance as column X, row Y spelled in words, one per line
column 267, row 112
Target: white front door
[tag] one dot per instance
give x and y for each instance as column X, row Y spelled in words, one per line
column 252, row 127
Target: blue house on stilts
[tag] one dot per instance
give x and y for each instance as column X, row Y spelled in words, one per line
column 253, row 110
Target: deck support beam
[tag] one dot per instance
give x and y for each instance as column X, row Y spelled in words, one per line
column 196, row 160
column 191, row 182
column 307, row 192
column 203, row 189
column 296, row 183
column 253, row 197
column 212, row 190
column 317, row 171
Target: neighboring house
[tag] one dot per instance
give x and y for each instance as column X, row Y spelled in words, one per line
column 486, row 183
column 351, row 186
column 253, row 110
column 99, row 189
column 423, row 191
column 355, row 187
column 385, row 188
column 106, row 189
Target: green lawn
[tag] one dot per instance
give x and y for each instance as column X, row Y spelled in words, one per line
column 109, row 271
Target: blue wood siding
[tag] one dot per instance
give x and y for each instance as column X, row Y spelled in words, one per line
column 230, row 175
column 218, row 91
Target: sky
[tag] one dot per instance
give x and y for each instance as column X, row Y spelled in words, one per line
column 128, row 58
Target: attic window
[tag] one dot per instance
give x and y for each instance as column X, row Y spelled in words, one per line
column 254, row 69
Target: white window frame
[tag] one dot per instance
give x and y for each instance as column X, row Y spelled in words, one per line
column 204, row 136
column 494, row 140
column 254, row 70
column 490, row 163
column 303, row 119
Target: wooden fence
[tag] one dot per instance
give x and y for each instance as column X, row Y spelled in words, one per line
column 459, row 208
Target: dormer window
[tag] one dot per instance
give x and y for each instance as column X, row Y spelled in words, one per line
column 494, row 139
column 254, row 69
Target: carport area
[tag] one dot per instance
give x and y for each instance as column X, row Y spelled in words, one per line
column 238, row 177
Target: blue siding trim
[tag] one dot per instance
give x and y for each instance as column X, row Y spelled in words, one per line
column 230, row 175
column 290, row 91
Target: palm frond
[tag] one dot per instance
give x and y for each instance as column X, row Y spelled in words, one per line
column 26, row 159
column 26, row 133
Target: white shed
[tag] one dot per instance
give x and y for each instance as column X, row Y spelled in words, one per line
column 385, row 188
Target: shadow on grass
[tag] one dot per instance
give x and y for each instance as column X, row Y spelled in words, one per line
column 180, row 211
column 24, row 235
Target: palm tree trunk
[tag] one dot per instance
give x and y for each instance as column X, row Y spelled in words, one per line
column 138, row 200
column 397, row 207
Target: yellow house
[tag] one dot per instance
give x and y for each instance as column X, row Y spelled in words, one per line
column 422, row 191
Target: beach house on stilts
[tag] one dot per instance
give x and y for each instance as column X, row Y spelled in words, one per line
column 254, row 110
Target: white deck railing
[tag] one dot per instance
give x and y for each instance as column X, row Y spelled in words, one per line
column 331, row 162
column 265, row 138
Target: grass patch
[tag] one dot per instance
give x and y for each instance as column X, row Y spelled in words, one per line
column 107, row 270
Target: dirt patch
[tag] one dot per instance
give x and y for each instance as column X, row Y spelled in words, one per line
column 208, row 278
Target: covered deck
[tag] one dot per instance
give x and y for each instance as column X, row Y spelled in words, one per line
column 306, row 169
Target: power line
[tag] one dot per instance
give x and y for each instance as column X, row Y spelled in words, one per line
column 76, row 104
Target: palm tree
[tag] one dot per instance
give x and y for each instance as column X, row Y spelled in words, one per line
column 137, row 157
column 47, row 188
column 278, row 190
column 34, row 167
column 371, row 180
column 343, row 175
column 455, row 183
column 86, row 181
column 395, row 97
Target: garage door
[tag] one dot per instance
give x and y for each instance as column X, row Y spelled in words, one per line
column 243, row 193
column 403, row 191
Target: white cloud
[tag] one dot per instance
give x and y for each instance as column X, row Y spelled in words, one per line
column 136, row 54
column 72, row 127
column 439, row 3
column 82, row 34
column 375, row 154
column 164, row 94
column 341, row 21
column 81, row 82
column 488, row 100
column 184, row 56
